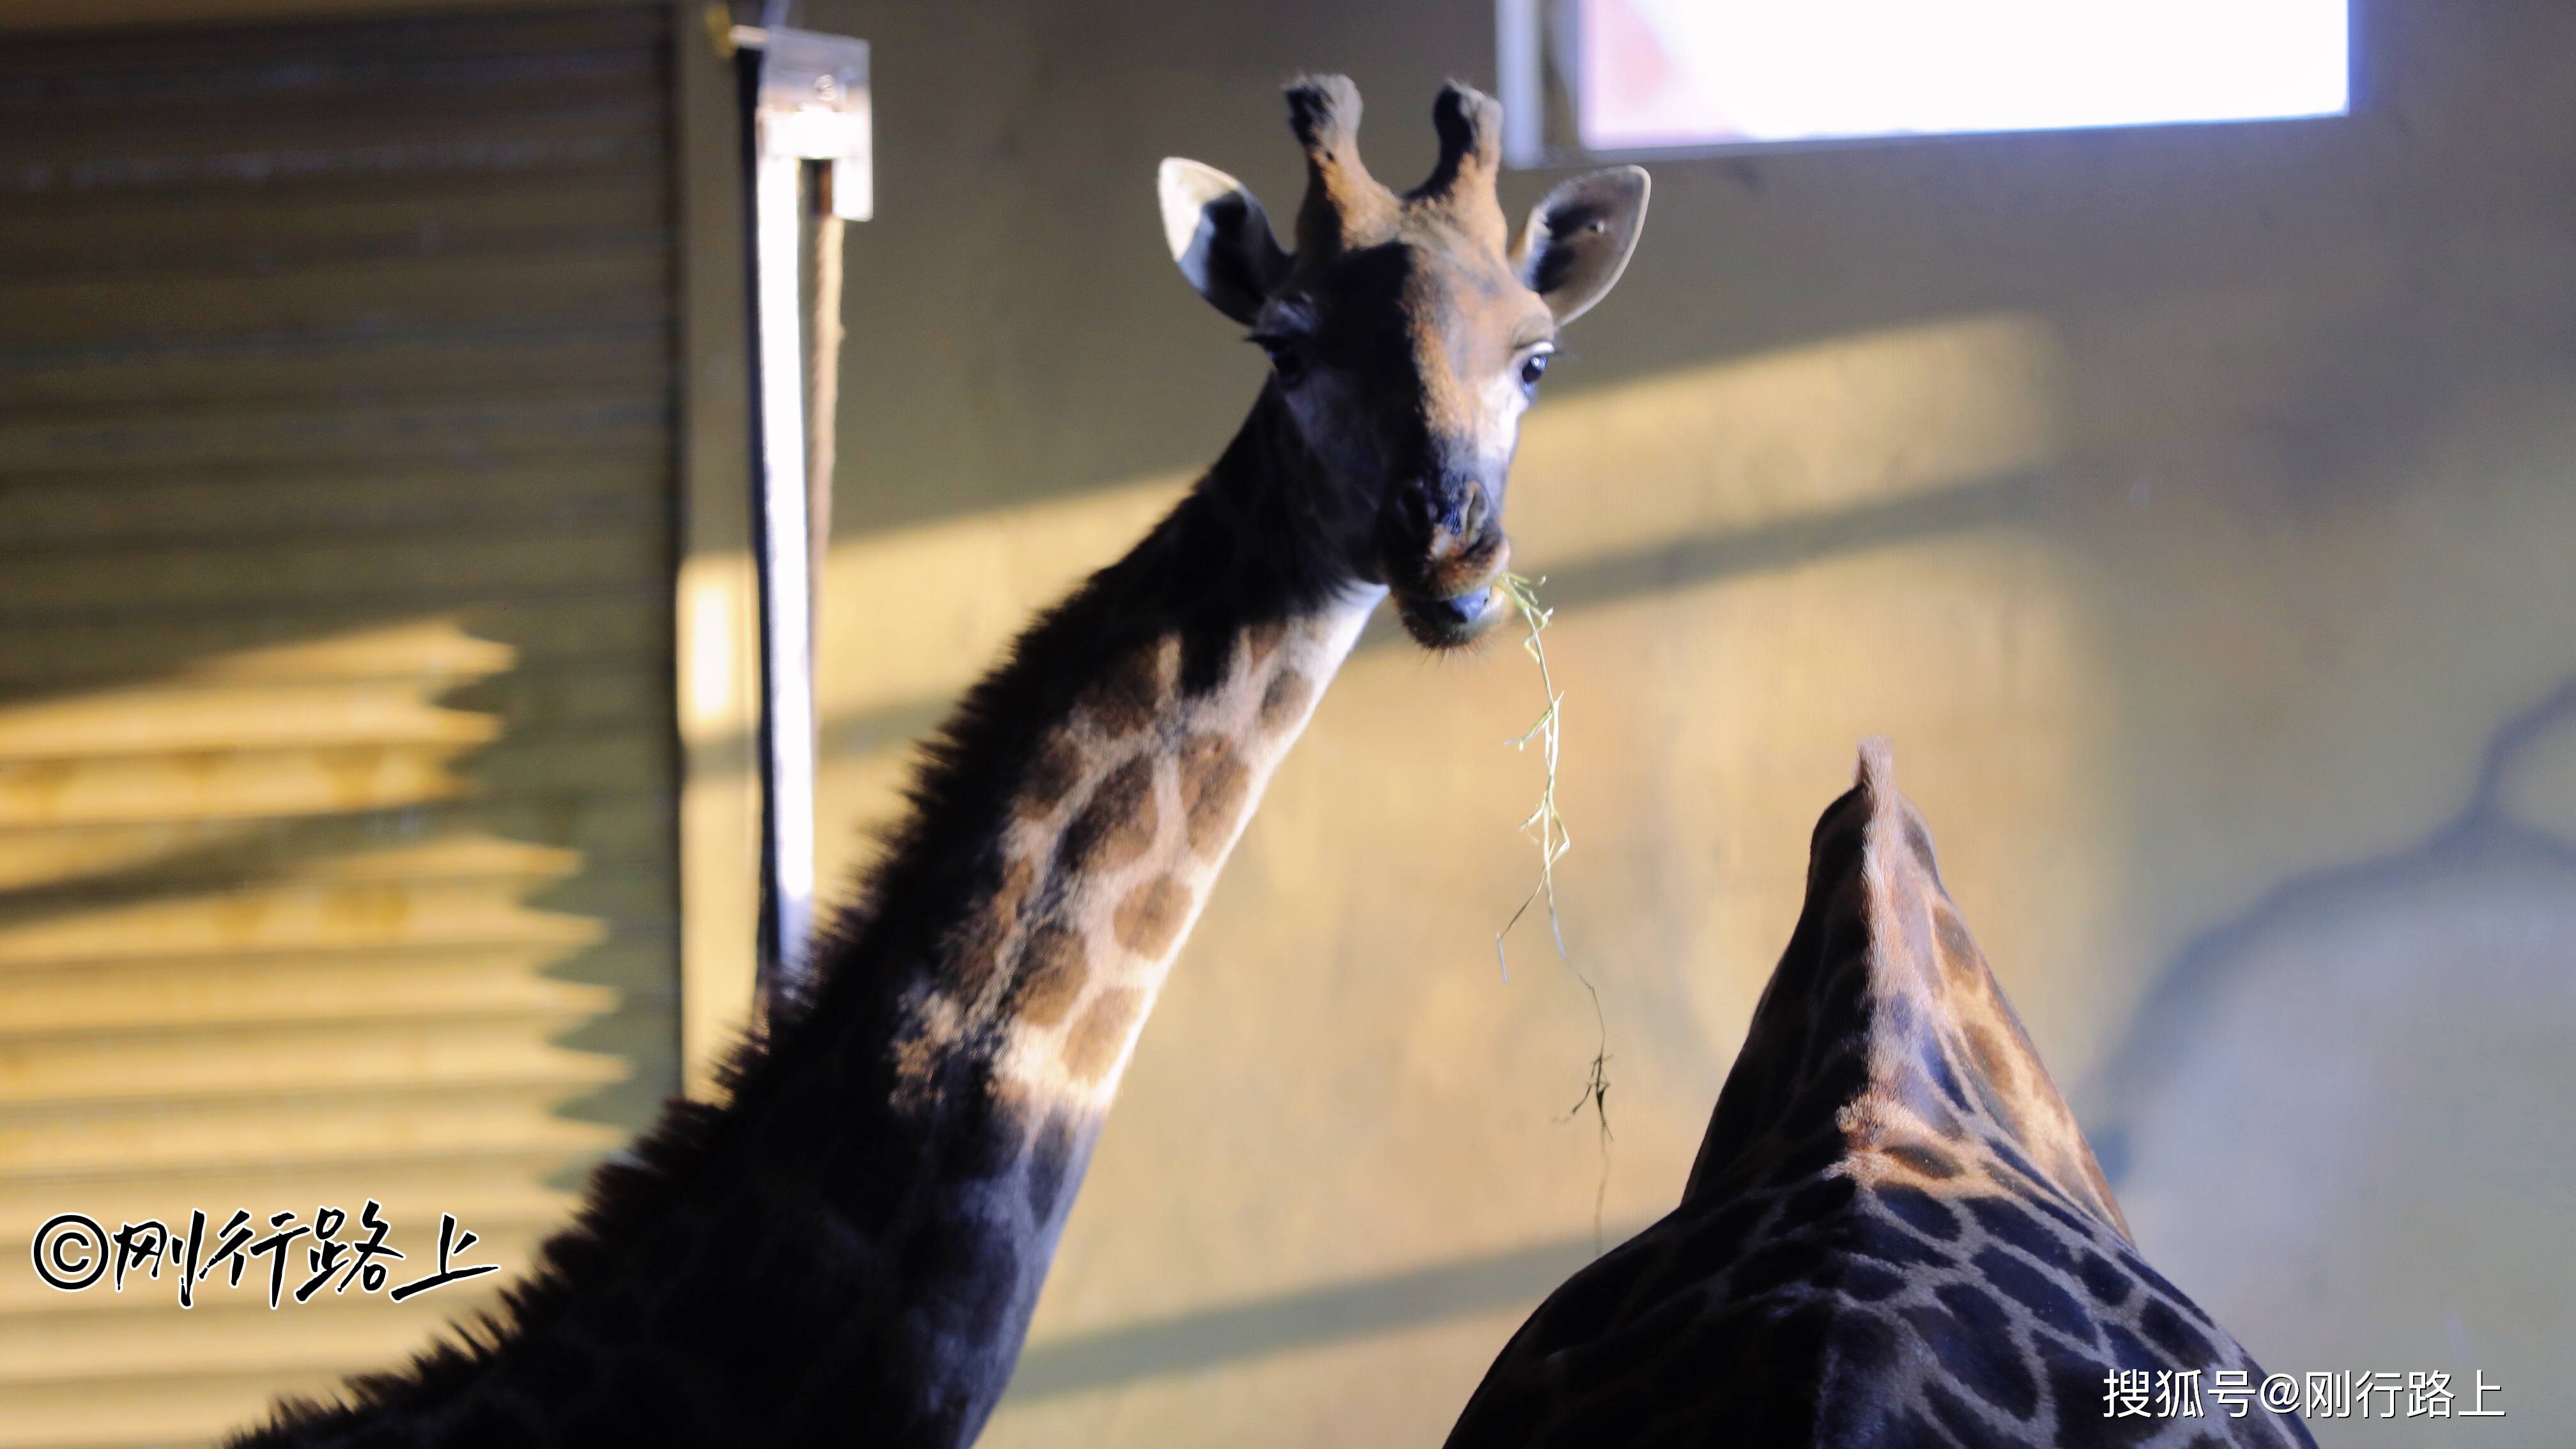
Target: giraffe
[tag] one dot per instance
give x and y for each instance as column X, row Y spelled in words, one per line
column 849, row 1248
column 1894, row 1234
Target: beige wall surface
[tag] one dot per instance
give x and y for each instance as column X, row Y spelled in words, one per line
column 2194, row 508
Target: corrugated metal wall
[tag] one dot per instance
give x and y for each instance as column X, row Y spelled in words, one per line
column 336, row 763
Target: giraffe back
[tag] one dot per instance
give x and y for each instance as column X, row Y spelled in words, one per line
column 1894, row 1234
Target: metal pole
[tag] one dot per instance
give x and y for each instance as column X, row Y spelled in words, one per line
column 811, row 105
column 786, row 578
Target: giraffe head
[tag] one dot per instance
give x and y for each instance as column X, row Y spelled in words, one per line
column 1406, row 333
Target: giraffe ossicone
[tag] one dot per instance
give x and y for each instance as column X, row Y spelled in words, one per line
column 848, row 1248
column 1894, row 1235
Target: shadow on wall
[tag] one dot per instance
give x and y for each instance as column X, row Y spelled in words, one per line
column 2342, row 1115
column 1326, row 1313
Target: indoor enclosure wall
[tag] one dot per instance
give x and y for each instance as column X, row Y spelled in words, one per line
column 2190, row 506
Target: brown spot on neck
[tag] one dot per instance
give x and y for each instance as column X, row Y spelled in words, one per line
column 1150, row 917
column 1958, row 950
column 1261, row 641
column 1923, row 1158
column 1053, row 967
column 1049, row 778
column 1134, row 693
column 1284, row 703
column 922, row 1052
column 1987, row 1051
column 979, row 951
column 1115, row 825
column 1092, row 1047
column 1213, row 785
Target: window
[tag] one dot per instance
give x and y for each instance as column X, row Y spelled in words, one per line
column 1628, row 76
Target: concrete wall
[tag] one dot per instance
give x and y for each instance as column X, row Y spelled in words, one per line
column 2194, row 509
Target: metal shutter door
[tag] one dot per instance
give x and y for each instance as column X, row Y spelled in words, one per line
column 336, row 746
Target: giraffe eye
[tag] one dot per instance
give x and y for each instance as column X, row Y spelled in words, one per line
column 1285, row 359
column 1534, row 368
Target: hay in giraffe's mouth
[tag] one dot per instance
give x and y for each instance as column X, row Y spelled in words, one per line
column 1546, row 829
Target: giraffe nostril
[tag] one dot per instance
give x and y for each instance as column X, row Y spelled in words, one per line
column 1471, row 519
column 1437, row 539
column 1441, row 519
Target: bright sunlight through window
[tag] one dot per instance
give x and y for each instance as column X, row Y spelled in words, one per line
column 1657, row 74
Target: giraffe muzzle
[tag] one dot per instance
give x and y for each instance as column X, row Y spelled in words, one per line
column 1457, row 602
column 1443, row 553
column 1458, row 620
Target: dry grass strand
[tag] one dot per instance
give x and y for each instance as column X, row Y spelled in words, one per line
column 1546, row 828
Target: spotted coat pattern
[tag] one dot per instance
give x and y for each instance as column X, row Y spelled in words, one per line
column 1894, row 1235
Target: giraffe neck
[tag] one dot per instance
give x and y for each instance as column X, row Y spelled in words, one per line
column 849, row 1249
column 1003, row 1043
column 978, row 1006
column 1883, row 1037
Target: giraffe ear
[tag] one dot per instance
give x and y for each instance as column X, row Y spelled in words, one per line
column 1220, row 237
column 1576, row 242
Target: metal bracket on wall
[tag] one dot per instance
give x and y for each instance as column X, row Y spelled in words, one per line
column 809, row 107
column 813, row 106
